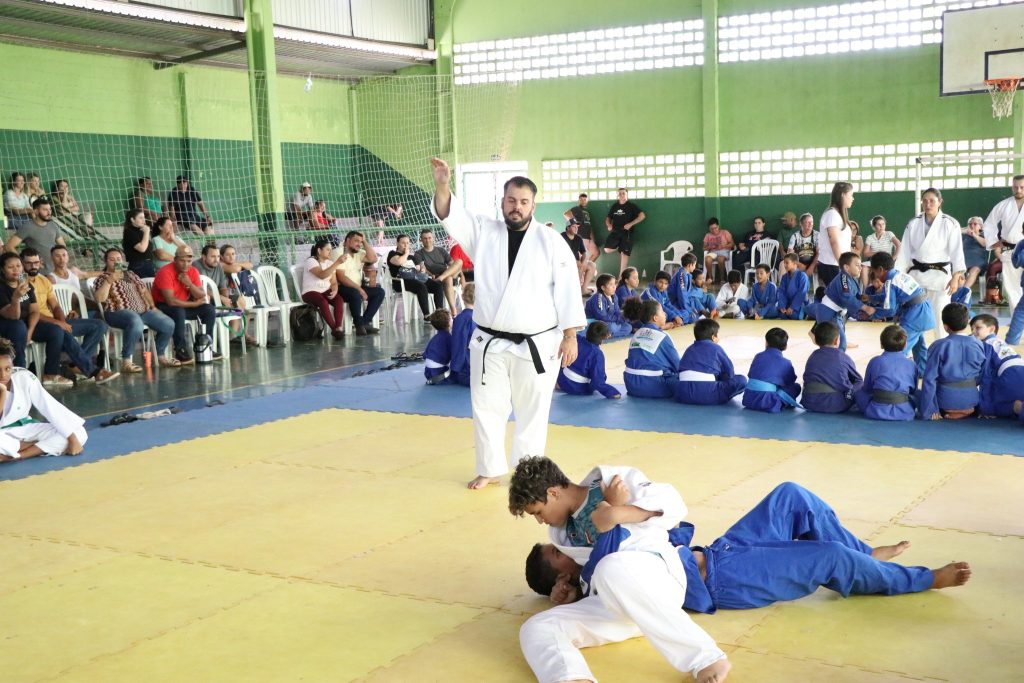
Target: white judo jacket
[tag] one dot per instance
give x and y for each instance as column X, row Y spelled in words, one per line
column 939, row 243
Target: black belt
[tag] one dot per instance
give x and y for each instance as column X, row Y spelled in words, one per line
column 924, row 267
column 961, row 384
column 516, row 338
column 1008, row 245
column 889, row 398
column 819, row 388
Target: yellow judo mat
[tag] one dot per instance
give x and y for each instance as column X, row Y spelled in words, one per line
column 342, row 546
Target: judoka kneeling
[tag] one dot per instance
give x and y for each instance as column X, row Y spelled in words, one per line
column 21, row 436
column 790, row 544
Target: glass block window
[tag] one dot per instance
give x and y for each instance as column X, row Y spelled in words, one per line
column 646, row 177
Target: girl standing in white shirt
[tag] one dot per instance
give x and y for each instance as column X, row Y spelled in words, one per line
column 836, row 235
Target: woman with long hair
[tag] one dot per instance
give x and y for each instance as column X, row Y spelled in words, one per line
column 835, row 236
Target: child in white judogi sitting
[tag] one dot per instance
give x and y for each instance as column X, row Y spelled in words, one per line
column 20, row 435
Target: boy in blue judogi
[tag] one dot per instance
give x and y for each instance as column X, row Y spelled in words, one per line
column 438, row 353
column 764, row 296
column 785, row 548
column 706, row 375
column 462, row 331
column 890, row 383
column 949, row 386
column 586, row 374
column 772, row 382
column 1017, row 319
column 874, row 296
column 628, row 283
column 704, row 303
column 843, row 295
column 811, row 310
column 656, row 291
column 962, row 296
column 1002, row 379
column 652, row 362
column 793, row 286
column 680, row 289
column 909, row 304
column 830, row 376
column 604, row 306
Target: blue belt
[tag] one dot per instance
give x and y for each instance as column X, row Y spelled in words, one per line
column 761, row 385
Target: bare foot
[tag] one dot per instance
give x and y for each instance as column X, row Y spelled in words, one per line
column 853, row 346
column 714, row 673
column 482, row 482
column 887, row 552
column 953, row 574
column 1017, row 407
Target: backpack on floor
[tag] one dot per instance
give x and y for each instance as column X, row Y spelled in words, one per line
column 306, row 323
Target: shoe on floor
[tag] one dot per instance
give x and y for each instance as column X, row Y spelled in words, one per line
column 372, row 330
column 184, row 357
column 361, row 331
column 57, row 381
column 103, row 376
column 338, row 334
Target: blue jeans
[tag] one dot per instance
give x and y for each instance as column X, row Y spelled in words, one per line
column 57, row 340
column 133, row 324
column 91, row 331
column 206, row 313
column 374, row 298
column 15, row 332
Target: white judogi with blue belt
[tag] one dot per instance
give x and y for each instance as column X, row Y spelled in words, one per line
column 1006, row 222
column 17, row 426
column 538, row 299
column 937, row 243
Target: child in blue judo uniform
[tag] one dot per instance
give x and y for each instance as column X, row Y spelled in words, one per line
column 843, row 295
column 706, row 375
column 909, row 304
column 764, row 296
column 830, row 376
column 657, row 291
column 462, row 332
column 962, row 296
column 628, row 283
column 586, row 374
column 772, row 384
column 949, row 386
column 811, row 309
column 785, row 548
column 793, row 287
column 680, row 288
column 652, row 362
column 874, row 296
column 438, row 354
column 890, row 383
column 1002, row 379
column 730, row 296
column 1017, row 319
column 704, row 303
column 605, row 306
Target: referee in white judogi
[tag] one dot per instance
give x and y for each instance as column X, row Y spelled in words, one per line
column 1004, row 227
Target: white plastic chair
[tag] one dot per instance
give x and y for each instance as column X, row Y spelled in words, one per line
column 70, row 299
column 276, row 294
column 222, row 331
column 261, row 314
column 671, row 254
column 765, row 250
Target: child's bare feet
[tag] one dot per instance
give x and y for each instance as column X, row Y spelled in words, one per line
column 853, row 346
column 482, row 482
column 887, row 552
column 1017, row 407
column 714, row 673
column 953, row 574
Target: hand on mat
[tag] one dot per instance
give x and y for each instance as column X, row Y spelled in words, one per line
column 615, row 491
column 74, row 446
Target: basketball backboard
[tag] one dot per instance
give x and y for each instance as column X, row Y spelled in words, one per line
column 980, row 44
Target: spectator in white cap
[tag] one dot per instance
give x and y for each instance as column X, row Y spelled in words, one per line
column 302, row 206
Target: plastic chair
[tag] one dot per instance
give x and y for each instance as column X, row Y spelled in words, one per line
column 222, row 331
column 765, row 250
column 261, row 314
column 671, row 254
column 275, row 294
column 71, row 298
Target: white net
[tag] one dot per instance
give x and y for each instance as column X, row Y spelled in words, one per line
column 363, row 147
column 1002, row 91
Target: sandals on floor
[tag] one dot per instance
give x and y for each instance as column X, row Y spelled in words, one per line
column 130, row 367
column 170, row 363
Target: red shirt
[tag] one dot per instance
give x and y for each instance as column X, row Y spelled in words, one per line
column 167, row 278
column 456, row 252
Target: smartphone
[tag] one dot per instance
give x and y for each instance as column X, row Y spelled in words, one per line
column 22, row 277
column 121, row 265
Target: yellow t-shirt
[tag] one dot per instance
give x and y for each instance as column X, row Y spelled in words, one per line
column 44, row 289
column 353, row 266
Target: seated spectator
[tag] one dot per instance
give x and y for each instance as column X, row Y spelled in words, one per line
column 385, row 215
column 209, row 265
column 459, row 254
column 975, row 253
column 772, row 385
column 51, row 315
column 243, row 292
column 952, row 373
column 605, row 307
column 437, row 357
column 186, row 208
column 300, row 207
column 440, row 266
column 890, row 383
column 145, row 198
column 730, row 296
column 408, row 270
column 19, row 316
column 462, row 332
column 804, row 244
column 629, row 281
column 165, row 241
column 741, row 257
column 790, row 227
column 22, row 397
column 137, row 244
column 320, row 285
column 584, row 265
column 17, row 205
column 586, row 374
column 324, row 222
column 718, row 245
column 128, row 306
column 40, row 233
column 64, row 273
column 34, row 188
column 885, row 242
column 830, row 375
column 66, row 206
column 355, row 290
column 178, row 293
column 703, row 302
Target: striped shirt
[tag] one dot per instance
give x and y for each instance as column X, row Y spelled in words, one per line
column 881, row 244
column 125, row 294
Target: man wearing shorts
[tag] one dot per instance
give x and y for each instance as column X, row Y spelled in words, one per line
column 581, row 216
column 622, row 218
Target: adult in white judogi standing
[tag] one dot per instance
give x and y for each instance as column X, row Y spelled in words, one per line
column 527, row 311
column 21, row 436
column 1004, row 227
column 932, row 252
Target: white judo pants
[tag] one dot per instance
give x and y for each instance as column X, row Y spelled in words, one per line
column 510, row 384
column 1011, row 278
column 45, row 437
column 938, row 298
column 636, row 595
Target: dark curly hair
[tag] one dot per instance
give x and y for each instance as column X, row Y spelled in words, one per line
column 533, row 477
column 6, row 347
column 540, row 575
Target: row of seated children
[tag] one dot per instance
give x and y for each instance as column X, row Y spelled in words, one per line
column 446, row 357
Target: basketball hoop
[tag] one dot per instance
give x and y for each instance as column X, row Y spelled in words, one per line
column 1002, row 91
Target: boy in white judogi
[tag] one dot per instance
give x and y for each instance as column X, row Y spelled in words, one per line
column 21, row 436
column 932, row 253
column 1004, row 227
column 528, row 309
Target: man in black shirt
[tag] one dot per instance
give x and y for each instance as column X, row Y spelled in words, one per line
column 579, row 250
column 581, row 216
column 184, row 206
column 622, row 218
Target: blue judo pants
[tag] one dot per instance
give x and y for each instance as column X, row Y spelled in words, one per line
column 790, row 544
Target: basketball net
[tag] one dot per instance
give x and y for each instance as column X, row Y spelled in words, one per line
column 1002, row 91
